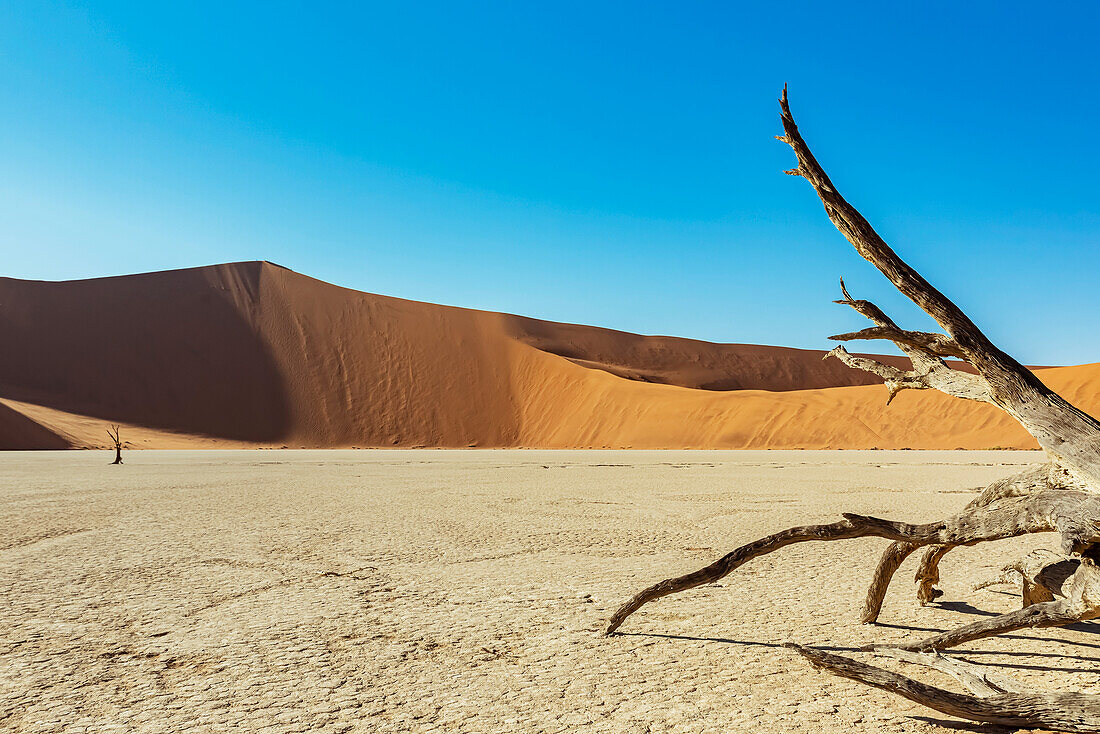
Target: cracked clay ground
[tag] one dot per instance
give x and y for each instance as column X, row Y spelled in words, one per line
column 462, row 591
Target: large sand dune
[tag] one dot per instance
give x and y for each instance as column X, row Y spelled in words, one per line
column 252, row 354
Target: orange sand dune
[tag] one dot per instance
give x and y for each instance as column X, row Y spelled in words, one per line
column 688, row 362
column 251, row 354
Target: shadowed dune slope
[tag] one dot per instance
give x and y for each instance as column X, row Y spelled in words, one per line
column 177, row 350
column 19, row 432
column 252, row 354
column 688, row 362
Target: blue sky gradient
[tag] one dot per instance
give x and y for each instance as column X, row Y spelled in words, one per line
column 604, row 163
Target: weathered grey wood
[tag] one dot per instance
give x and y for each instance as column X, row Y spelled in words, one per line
column 938, row 377
column 1045, row 477
column 1068, row 712
column 1057, row 613
column 1081, row 602
column 976, row 678
column 928, row 574
column 895, row 553
column 1062, row 496
column 924, row 351
column 1006, row 517
column 1041, row 574
column 1069, row 435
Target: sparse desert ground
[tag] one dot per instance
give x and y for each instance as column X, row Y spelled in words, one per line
column 417, row 591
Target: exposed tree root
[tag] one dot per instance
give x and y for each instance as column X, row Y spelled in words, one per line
column 1056, row 613
column 1001, row 518
column 1041, row 575
column 1081, row 602
column 928, row 574
column 993, row 701
column 852, row 526
column 1041, row 478
column 976, row 678
column 895, row 553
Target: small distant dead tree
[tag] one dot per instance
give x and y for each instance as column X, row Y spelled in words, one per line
column 113, row 433
column 1061, row 496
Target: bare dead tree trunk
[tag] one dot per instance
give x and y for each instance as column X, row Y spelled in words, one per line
column 1062, row 496
column 113, row 433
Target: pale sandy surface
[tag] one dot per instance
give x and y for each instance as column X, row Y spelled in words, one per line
column 392, row 591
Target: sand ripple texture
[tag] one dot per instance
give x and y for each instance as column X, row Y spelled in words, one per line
column 463, row 591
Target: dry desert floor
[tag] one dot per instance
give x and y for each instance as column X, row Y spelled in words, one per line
column 463, row 591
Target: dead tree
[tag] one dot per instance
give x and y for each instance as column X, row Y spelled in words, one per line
column 113, row 433
column 1062, row 496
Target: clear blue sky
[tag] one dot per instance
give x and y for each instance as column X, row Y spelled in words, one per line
column 604, row 163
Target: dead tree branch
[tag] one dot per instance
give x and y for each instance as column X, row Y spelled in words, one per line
column 1041, row 575
column 1062, row 496
column 1042, row 478
column 925, row 351
column 993, row 701
column 1069, row 435
column 1051, row 510
column 936, row 377
column 935, row 344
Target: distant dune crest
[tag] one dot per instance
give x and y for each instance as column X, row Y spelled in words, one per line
column 253, row 354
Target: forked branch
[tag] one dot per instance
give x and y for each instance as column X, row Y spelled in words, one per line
column 936, row 377
column 935, row 344
column 872, row 247
column 924, row 350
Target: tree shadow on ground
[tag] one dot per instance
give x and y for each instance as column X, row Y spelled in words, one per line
column 1085, row 627
column 728, row 641
column 962, row 653
column 972, row 726
column 963, row 607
